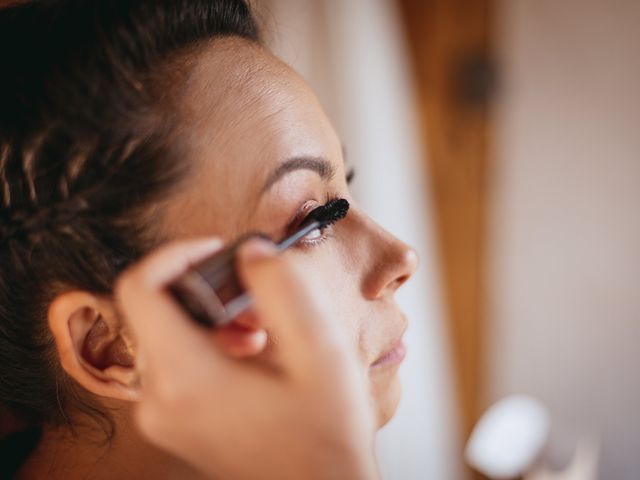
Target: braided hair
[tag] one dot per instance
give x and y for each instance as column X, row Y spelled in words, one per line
column 89, row 147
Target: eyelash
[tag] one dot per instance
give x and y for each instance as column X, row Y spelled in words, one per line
column 324, row 235
column 324, row 232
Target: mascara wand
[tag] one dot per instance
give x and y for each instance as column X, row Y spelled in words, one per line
column 211, row 291
column 320, row 217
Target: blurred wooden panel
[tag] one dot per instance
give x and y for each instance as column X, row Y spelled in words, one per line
column 450, row 47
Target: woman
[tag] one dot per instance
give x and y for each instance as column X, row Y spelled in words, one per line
column 128, row 124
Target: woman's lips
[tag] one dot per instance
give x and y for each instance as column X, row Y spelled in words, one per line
column 392, row 356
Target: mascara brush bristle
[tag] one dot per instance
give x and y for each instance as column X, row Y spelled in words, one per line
column 331, row 212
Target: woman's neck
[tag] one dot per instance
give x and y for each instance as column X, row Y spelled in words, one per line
column 88, row 454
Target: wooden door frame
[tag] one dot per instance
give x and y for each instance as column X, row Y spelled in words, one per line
column 450, row 47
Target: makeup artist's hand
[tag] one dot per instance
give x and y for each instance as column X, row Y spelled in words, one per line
column 304, row 415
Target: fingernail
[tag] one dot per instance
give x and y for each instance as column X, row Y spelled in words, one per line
column 257, row 249
column 215, row 242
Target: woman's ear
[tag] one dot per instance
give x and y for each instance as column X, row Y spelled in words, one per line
column 93, row 345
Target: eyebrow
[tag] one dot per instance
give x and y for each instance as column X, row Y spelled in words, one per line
column 320, row 165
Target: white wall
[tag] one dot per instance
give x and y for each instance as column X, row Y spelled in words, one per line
column 351, row 52
column 565, row 237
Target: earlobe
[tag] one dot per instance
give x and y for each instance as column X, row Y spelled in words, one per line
column 92, row 346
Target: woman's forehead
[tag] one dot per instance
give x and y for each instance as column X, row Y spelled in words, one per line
column 244, row 122
column 245, row 102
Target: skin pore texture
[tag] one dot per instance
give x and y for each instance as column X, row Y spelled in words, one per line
column 243, row 115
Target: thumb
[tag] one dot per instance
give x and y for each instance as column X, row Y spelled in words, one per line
column 290, row 308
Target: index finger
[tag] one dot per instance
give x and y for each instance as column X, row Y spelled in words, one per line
column 291, row 309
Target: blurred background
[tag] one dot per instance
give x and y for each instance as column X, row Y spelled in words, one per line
column 501, row 138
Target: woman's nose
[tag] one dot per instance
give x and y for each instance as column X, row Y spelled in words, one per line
column 393, row 263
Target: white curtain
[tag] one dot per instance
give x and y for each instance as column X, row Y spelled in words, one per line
column 352, row 53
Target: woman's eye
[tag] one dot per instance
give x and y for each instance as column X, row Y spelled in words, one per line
column 314, row 234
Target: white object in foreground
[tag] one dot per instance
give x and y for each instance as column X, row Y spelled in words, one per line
column 509, row 437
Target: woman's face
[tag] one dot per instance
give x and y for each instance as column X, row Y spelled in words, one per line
column 265, row 155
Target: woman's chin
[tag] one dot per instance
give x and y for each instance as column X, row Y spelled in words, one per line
column 386, row 397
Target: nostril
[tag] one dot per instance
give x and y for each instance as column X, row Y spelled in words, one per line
column 401, row 267
column 401, row 280
column 408, row 265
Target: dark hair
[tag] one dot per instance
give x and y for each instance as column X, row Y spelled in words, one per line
column 89, row 144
